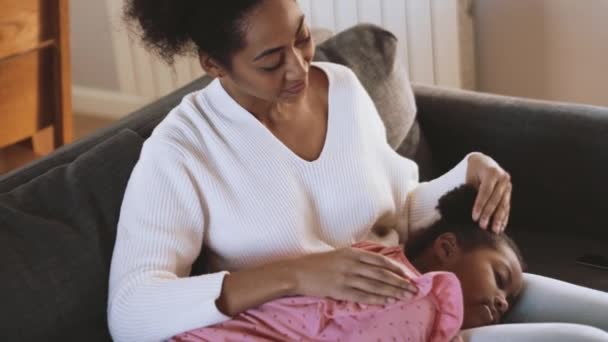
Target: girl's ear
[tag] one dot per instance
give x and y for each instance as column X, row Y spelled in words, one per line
column 211, row 67
column 446, row 249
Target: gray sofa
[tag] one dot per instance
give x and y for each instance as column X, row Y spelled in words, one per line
column 58, row 215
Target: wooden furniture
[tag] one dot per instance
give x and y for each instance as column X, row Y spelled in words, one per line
column 35, row 77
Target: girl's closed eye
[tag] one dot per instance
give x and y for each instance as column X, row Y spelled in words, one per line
column 500, row 282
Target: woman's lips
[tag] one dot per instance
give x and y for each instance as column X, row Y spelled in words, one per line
column 296, row 88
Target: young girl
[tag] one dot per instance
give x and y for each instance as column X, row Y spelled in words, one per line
column 465, row 277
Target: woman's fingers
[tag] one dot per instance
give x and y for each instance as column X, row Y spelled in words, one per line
column 379, row 260
column 491, row 208
column 378, row 288
column 399, row 286
column 356, row 295
column 506, row 222
column 499, row 221
column 493, row 201
column 379, row 275
column 483, row 195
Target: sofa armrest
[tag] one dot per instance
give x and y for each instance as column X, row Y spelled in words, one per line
column 557, row 153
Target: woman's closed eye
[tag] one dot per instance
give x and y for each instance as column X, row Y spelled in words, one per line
column 304, row 40
column 300, row 42
column 273, row 68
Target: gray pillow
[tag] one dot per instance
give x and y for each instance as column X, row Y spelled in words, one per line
column 56, row 238
column 372, row 53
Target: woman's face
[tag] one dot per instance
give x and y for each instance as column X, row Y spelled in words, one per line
column 273, row 66
column 491, row 280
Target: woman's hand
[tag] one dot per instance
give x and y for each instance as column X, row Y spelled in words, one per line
column 493, row 203
column 351, row 274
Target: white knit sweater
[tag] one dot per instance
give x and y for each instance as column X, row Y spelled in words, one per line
column 212, row 175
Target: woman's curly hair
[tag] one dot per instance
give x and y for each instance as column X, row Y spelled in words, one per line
column 173, row 28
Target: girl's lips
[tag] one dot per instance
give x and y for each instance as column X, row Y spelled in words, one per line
column 490, row 315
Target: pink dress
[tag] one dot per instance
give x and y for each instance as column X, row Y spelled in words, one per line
column 434, row 314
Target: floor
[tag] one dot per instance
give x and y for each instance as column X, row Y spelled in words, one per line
column 17, row 155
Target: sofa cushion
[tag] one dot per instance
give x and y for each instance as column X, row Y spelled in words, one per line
column 554, row 255
column 143, row 121
column 56, row 237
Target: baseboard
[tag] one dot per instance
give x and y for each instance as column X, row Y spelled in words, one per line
column 104, row 103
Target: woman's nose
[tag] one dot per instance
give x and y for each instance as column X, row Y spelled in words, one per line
column 501, row 304
column 297, row 65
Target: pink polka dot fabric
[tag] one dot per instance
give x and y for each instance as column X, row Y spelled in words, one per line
column 434, row 314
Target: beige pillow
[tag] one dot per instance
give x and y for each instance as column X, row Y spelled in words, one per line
column 321, row 34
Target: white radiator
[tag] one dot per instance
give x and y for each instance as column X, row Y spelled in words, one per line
column 436, row 37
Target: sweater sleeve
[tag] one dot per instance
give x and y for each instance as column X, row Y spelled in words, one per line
column 159, row 236
column 423, row 200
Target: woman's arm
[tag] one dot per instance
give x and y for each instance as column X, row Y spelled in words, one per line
column 494, row 183
column 344, row 274
column 159, row 236
column 492, row 205
column 422, row 201
column 255, row 286
column 160, row 233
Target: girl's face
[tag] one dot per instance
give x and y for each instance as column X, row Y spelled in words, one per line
column 273, row 66
column 491, row 279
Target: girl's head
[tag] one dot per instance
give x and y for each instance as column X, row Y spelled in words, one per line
column 489, row 266
column 259, row 48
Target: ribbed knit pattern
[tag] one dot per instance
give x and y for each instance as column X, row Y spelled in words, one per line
column 212, row 175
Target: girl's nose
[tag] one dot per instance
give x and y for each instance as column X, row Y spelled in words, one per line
column 501, row 304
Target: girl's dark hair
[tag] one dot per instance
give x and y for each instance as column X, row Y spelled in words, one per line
column 171, row 28
column 456, row 208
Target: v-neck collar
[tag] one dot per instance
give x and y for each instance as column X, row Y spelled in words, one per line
column 236, row 114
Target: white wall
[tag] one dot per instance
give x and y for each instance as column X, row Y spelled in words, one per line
column 93, row 62
column 547, row 49
column 114, row 75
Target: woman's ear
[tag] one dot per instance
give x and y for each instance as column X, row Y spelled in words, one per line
column 211, row 67
column 446, row 249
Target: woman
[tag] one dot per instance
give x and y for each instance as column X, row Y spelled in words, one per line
column 276, row 168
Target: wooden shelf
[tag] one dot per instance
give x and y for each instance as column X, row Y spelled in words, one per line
column 43, row 45
column 35, row 76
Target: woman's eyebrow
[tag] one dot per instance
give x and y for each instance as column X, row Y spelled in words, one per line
column 278, row 48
